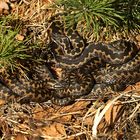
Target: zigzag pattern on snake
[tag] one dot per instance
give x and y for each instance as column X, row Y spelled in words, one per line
column 123, row 58
column 115, row 65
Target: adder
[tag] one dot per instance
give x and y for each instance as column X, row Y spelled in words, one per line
column 84, row 65
column 114, row 65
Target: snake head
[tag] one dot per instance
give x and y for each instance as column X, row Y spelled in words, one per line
column 56, row 84
column 109, row 80
column 60, row 40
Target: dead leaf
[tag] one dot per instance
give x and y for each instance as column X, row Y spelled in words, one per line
column 19, row 37
column 102, row 126
column 117, row 135
column 138, row 38
column 4, row 8
column 129, row 88
column 4, row 5
column 77, row 106
column 64, row 119
column 48, row 1
column 20, row 137
column 133, row 87
column 38, row 113
column 88, row 121
column 2, row 102
column 54, row 130
column 113, row 113
column 137, row 85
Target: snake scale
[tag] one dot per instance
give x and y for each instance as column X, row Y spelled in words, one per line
column 85, row 66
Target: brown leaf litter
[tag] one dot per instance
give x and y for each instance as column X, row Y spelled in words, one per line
column 115, row 117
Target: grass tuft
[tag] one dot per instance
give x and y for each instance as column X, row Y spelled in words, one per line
column 95, row 15
column 11, row 49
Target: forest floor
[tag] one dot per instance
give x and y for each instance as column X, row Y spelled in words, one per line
column 114, row 117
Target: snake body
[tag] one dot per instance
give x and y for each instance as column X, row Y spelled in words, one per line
column 24, row 90
column 116, row 53
column 85, row 66
column 71, row 84
column 115, row 65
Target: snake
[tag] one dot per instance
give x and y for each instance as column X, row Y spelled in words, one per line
column 76, row 86
column 17, row 87
column 72, row 44
column 114, row 65
column 85, row 65
column 28, row 90
column 115, row 53
column 74, row 51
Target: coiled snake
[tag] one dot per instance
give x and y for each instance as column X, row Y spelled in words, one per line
column 114, row 65
column 84, row 65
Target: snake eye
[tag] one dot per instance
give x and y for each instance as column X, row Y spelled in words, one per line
column 60, row 85
column 110, row 81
